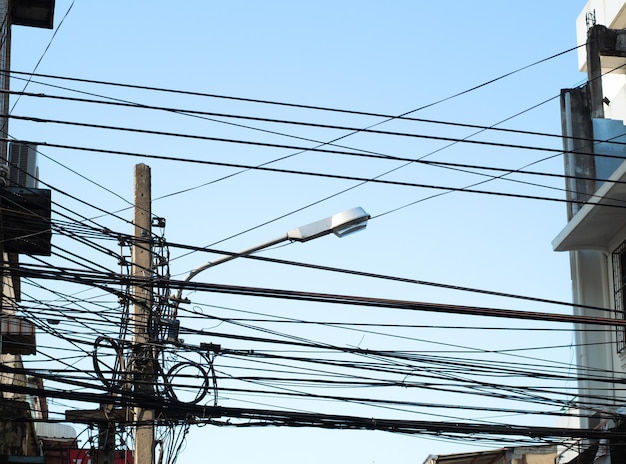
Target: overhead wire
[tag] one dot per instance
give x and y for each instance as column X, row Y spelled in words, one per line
column 461, row 362
column 418, row 160
column 54, row 34
column 460, row 349
column 103, row 281
column 292, row 105
column 463, row 140
column 482, row 84
column 329, row 176
column 390, row 303
column 268, row 259
column 352, row 152
column 191, row 112
column 413, row 110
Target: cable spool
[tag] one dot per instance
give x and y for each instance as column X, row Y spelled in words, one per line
column 190, row 394
column 110, row 374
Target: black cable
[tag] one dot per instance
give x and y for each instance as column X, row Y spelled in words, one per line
column 391, row 303
column 309, row 149
column 359, row 153
column 383, row 276
column 330, row 176
column 54, row 34
column 292, row 105
column 190, row 112
column 103, row 280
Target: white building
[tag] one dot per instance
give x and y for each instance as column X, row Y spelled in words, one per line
column 517, row 455
column 595, row 235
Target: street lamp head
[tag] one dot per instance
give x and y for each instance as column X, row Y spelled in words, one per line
column 341, row 224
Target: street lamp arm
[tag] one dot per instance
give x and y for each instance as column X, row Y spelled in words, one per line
column 232, row 256
column 341, row 224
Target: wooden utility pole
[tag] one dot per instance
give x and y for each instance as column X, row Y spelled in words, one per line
column 144, row 356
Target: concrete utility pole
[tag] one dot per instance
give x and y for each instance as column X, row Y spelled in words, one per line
column 105, row 454
column 143, row 351
column 5, row 65
column 599, row 39
column 577, row 130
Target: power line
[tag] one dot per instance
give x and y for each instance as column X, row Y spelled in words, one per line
column 54, row 34
column 391, row 303
column 293, row 105
column 190, row 112
column 330, row 176
column 315, row 149
column 382, row 276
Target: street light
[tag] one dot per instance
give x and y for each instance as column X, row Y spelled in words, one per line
column 340, row 224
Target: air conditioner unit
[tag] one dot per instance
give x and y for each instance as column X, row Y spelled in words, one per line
column 26, row 224
column 23, row 165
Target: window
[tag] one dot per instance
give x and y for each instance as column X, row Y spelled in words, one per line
column 619, row 285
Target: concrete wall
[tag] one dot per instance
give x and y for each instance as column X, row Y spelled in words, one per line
column 609, row 13
column 612, row 14
column 16, row 438
column 591, row 269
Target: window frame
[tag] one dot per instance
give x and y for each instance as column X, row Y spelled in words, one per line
column 618, row 258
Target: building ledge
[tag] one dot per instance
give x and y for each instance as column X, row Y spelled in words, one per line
column 596, row 225
column 17, row 335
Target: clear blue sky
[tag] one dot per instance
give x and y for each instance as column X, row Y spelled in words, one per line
column 379, row 57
